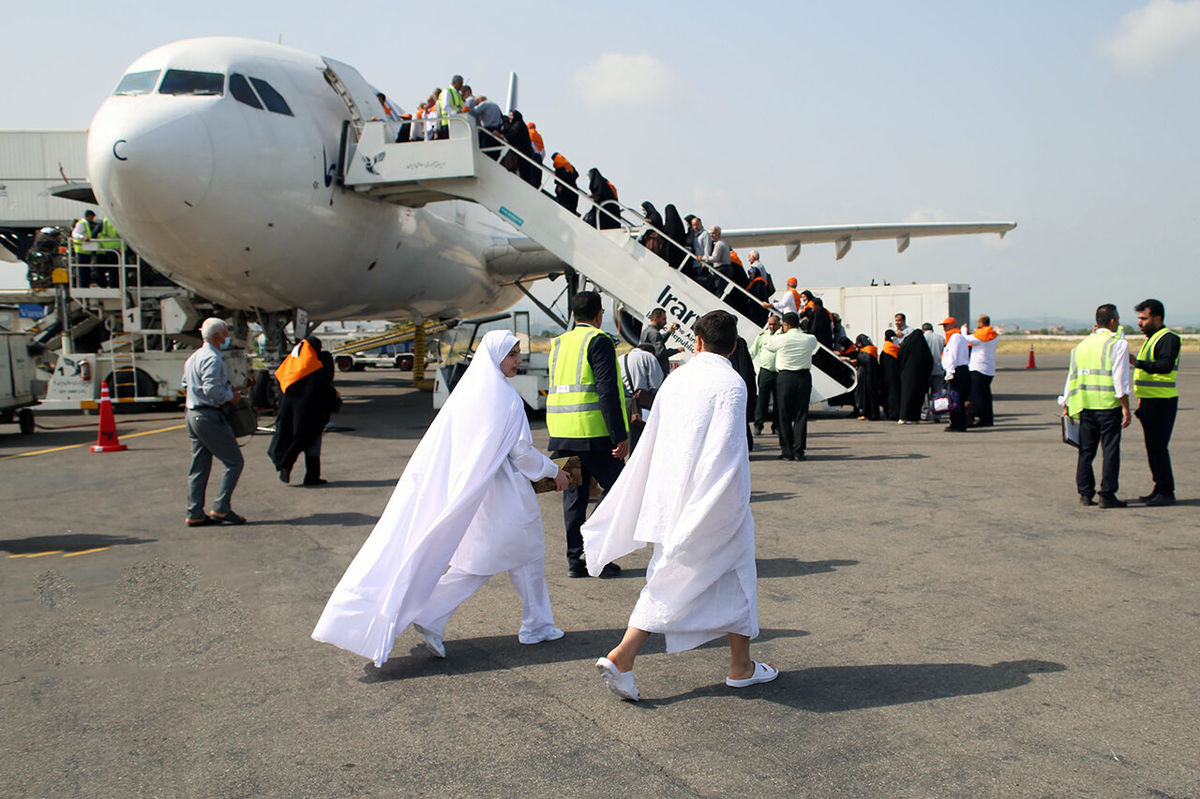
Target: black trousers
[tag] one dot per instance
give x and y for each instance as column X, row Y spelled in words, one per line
column 1099, row 429
column 961, row 383
column 766, row 399
column 1158, row 420
column 605, row 468
column 981, row 398
column 793, row 388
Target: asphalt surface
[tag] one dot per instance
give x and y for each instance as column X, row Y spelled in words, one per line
column 948, row 620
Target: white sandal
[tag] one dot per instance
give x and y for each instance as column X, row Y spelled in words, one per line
column 763, row 672
column 619, row 682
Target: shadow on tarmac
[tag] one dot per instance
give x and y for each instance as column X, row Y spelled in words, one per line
column 791, row 567
column 473, row 655
column 770, row 496
column 362, row 483
column 833, row 689
column 347, row 519
column 75, row 542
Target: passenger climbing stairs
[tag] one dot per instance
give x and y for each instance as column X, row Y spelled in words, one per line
column 416, row 173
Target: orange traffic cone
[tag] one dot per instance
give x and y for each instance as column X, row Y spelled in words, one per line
column 107, row 441
column 1031, row 364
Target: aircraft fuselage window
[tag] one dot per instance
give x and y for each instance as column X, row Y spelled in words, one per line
column 273, row 99
column 239, row 87
column 137, row 83
column 186, row 81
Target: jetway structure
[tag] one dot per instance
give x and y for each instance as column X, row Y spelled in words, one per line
column 460, row 167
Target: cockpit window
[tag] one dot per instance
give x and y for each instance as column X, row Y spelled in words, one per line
column 185, row 81
column 137, row 83
column 239, row 87
column 272, row 98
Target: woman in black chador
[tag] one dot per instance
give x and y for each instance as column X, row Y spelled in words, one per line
column 889, row 374
column 916, row 364
column 605, row 198
column 516, row 132
column 303, row 413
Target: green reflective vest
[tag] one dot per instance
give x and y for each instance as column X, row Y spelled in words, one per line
column 77, row 244
column 452, row 97
column 1089, row 381
column 1147, row 385
column 573, row 404
column 108, row 239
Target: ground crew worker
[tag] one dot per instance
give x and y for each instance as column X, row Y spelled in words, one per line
column 1097, row 393
column 449, row 103
column 586, row 417
column 81, row 233
column 764, row 359
column 1154, row 373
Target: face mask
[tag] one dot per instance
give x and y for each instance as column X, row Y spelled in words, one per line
column 225, row 343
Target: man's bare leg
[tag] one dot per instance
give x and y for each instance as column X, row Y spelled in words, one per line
column 625, row 652
column 740, row 664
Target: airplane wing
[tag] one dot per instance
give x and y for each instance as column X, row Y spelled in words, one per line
column 844, row 235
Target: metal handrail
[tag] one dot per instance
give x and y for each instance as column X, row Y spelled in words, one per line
column 634, row 230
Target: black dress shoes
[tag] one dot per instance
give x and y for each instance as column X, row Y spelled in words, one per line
column 1158, row 500
column 577, row 569
column 1112, row 502
column 609, row 571
column 1086, row 499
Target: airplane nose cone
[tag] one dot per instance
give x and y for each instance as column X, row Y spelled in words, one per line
column 146, row 166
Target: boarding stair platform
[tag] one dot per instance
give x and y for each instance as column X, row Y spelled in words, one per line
column 458, row 167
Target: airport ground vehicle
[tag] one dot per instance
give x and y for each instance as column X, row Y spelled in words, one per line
column 532, row 381
column 398, row 355
column 17, row 373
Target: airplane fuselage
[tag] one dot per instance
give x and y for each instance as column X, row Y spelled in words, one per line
column 241, row 203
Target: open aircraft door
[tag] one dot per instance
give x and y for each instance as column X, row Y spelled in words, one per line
column 354, row 90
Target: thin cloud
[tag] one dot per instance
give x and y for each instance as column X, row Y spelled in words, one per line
column 1154, row 35
column 619, row 79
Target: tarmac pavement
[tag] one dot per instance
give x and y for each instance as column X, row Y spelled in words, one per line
column 949, row 622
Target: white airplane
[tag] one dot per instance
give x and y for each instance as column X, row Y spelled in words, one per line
column 217, row 159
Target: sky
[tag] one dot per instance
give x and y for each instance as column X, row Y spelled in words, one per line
column 1071, row 119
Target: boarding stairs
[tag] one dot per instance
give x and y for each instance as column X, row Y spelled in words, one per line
column 416, row 173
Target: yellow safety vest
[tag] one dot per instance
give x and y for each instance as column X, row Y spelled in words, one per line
column 77, row 244
column 109, row 239
column 456, row 103
column 1147, row 385
column 1089, row 381
column 573, row 404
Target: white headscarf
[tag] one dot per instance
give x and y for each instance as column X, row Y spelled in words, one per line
column 392, row 576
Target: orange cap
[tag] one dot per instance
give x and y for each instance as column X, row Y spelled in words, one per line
column 949, row 320
column 792, row 282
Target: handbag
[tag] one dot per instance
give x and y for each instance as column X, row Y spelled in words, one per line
column 945, row 401
column 241, row 417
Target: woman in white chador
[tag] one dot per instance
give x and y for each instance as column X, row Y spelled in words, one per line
column 686, row 490
column 465, row 501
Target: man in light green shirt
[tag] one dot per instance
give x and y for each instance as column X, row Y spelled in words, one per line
column 793, row 349
column 764, row 361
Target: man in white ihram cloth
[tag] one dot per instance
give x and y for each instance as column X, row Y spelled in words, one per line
column 686, row 490
column 465, row 501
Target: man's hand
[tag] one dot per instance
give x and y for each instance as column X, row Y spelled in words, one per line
column 561, row 481
column 621, row 450
column 237, row 395
column 1132, row 359
column 1125, row 417
column 635, row 417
